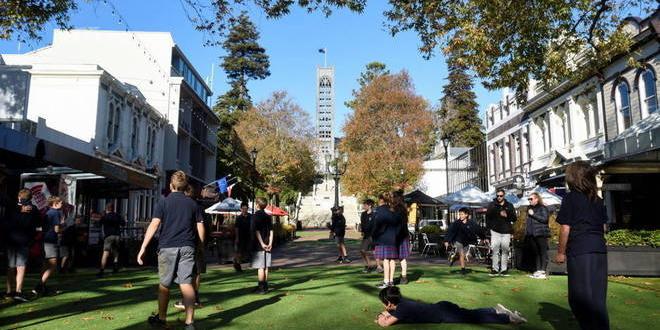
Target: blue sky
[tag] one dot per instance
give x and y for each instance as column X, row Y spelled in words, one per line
column 292, row 42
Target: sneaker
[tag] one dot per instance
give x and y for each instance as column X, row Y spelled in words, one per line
column 452, row 259
column 500, row 309
column 504, row 273
column 339, row 259
column 179, row 305
column 38, row 289
column 541, row 276
column 190, row 326
column 366, row 269
column 493, row 272
column 347, row 260
column 514, row 317
column 403, row 280
column 155, row 321
column 20, row 297
column 383, row 285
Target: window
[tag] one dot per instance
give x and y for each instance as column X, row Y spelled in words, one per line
column 151, row 143
column 622, row 104
column 114, row 115
column 135, row 137
column 647, row 93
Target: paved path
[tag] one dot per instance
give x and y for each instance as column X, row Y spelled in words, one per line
column 314, row 248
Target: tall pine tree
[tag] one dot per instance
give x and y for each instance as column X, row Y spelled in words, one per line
column 459, row 112
column 245, row 60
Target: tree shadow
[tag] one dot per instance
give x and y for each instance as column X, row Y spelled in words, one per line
column 559, row 318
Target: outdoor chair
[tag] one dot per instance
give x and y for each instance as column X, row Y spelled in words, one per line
column 428, row 246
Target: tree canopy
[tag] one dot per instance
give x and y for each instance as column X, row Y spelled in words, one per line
column 283, row 135
column 387, row 136
column 503, row 42
column 459, row 111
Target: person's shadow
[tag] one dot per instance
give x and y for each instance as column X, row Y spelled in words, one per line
column 225, row 317
column 559, row 318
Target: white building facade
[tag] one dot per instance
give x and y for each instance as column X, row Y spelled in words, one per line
column 132, row 98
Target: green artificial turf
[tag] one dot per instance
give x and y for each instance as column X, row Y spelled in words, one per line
column 323, row 297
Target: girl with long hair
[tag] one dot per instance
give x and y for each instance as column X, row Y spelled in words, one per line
column 583, row 218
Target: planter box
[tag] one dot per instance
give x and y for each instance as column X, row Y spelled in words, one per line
column 629, row 261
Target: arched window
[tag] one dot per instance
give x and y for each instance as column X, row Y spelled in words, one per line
column 647, row 93
column 622, row 103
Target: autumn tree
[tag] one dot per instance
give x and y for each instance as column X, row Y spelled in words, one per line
column 283, row 135
column 459, row 110
column 387, row 136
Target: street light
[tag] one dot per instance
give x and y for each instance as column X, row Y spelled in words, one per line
column 253, row 155
column 337, row 169
column 445, row 143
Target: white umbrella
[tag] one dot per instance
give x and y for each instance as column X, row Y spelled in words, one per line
column 227, row 206
column 470, row 195
column 548, row 197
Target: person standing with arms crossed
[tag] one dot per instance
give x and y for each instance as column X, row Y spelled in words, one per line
column 338, row 228
column 500, row 217
column 20, row 230
column 263, row 244
column 583, row 219
column 177, row 216
column 242, row 236
column 537, row 232
column 111, row 223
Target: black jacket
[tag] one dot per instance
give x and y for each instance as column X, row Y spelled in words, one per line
column 366, row 222
column 537, row 224
column 21, row 226
column 402, row 224
column 464, row 233
column 498, row 223
column 384, row 227
column 338, row 225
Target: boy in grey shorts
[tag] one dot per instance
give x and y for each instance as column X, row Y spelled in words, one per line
column 20, row 232
column 177, row 216
column 263, row 244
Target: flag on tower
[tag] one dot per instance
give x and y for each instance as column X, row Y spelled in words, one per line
column 322, row 50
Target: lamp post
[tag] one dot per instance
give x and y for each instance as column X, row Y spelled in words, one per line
column 336, row 167
column 253, row 155
column 445, row 143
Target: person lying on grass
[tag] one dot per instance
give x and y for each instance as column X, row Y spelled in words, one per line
column 399, row 310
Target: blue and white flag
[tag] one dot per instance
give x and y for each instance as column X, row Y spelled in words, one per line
column 222, row 185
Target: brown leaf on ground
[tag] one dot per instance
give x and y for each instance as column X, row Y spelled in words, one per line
column 516, row 289
column 487, row 293
column 128, row 285
column 631, row 302
column 108, row 317
column 87, row 318
column 218, row 308
column 422, row 281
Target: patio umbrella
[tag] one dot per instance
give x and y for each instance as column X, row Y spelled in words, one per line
column 549, row 198
column 274, row 210
column 227, row 206
column 469, row 195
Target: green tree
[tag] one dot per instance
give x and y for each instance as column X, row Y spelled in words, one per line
column 245, row 60
column 371, row 71
column 459, row 111
column 24, row 19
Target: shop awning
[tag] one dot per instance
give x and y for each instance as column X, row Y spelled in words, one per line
column 42, row 152
column 420, row 198
column 641, row 137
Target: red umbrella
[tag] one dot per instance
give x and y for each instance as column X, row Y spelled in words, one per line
column 274, row 210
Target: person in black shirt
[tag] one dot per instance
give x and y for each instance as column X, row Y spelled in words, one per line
column 461, row 234
column 537, row 232
column 384, row 232
column 52, row 230
column 338, row 227
column 242, row 236
column 366, row 247
column 583, row 219
column 399, row 310
column 22, row 221
column 111, row 223
column 400, row 211
column 177, row 217
column 500, row 217
column 263, row 244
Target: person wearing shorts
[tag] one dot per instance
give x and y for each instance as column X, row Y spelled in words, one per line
column 461, row 234
column 20, row 230
column 338, row 228
column 51, row 229
column 111, row 222
column 263, row 245
column 177, row 216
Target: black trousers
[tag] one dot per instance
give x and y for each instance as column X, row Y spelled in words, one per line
column 539, row 246
column 587, row 290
